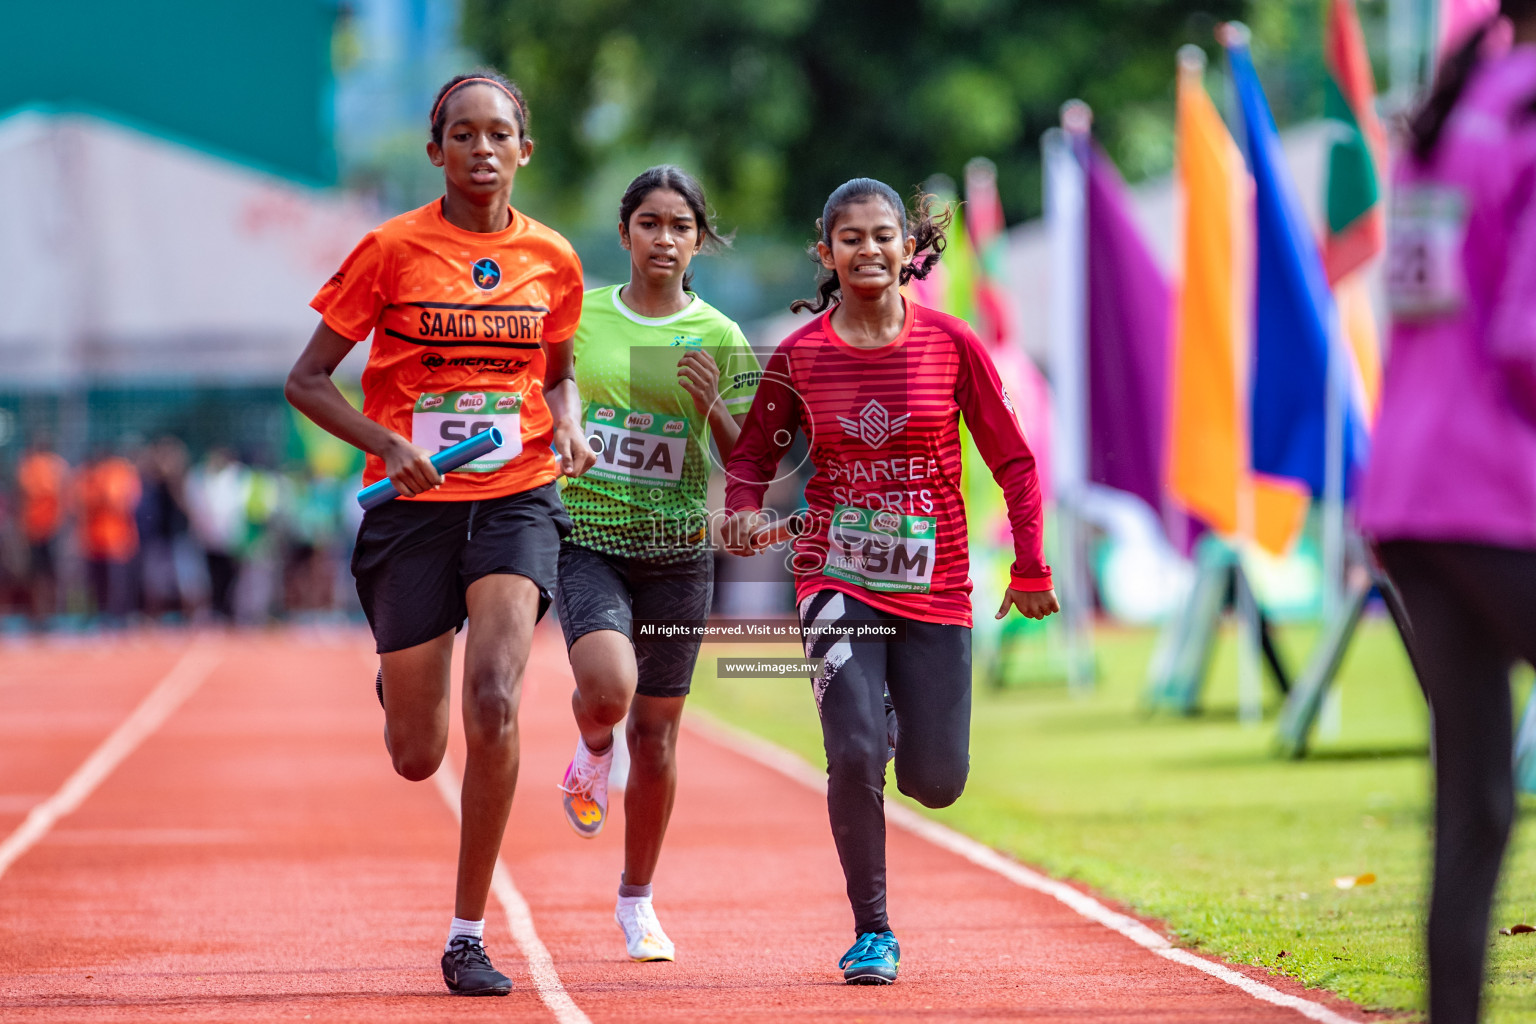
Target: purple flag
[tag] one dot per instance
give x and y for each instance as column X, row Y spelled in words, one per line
column 1128, row 323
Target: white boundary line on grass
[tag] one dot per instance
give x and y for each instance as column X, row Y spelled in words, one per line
column 168, row 695
column 772, row 756
column 546, row 981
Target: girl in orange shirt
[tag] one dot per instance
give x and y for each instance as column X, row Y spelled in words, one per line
column 472, row 306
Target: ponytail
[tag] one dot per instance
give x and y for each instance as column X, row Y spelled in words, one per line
column 1428, row 120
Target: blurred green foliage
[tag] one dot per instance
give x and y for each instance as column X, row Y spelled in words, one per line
column 776, row 102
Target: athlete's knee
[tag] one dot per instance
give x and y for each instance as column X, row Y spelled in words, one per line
column 415, row 761
column 604, row 701
column 490, row 711
column 652, row 745
column 1487, row 819
column 855, row 759
column 932, row 787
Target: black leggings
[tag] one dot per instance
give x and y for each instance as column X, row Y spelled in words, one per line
column 928, row 677
column 1471, row 615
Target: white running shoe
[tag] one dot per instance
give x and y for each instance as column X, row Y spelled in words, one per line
column 586, row 790
column 642, row 932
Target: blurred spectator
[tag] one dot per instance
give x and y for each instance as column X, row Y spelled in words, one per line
column 257, row 591
column 163, row 527
column 1450, row 495
column 109, row 492
column 245, row 543
column 14, row 594
column 43, row 487
column 314, row 531
column 218, row 492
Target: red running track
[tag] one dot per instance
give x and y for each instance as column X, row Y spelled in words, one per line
column 255, row 858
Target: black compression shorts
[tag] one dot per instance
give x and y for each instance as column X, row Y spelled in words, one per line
column 602, row 591
column 415, row 559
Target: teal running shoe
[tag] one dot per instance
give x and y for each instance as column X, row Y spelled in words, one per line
column 873, row 960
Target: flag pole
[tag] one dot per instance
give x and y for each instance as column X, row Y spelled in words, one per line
column 1250, row 682
column 1066, row 212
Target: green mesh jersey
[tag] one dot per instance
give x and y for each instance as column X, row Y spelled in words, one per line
column 645, row 496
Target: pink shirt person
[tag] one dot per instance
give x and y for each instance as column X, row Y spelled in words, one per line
column 1455, row 452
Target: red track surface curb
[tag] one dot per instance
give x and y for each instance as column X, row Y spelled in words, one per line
column 256, row 859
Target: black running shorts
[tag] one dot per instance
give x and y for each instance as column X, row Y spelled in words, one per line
column 601, row 591
column 415, row 559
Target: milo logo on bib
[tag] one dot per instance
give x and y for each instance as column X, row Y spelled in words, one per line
column 637, row 447
column 443, row 420
column 882, row 550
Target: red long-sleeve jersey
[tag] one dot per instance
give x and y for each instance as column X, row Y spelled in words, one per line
column 884, row 432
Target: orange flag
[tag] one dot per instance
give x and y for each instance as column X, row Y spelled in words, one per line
column 1208, row 454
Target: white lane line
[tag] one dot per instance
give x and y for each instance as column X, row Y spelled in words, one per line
column 782, row 761
column 540, row 964
column 153, row 710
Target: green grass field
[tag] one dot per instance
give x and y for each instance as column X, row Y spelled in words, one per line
column 1192, row 822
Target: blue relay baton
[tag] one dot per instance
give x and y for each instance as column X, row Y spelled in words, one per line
column 446, row 461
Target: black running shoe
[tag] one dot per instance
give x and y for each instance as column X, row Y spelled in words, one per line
column 378, row 686
column 468, row 971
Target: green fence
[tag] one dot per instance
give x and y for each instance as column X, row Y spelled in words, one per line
column 254, row 422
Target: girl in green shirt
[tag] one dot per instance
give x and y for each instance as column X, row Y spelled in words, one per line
column 662, row 373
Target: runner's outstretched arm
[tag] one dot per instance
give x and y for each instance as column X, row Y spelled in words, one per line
column 1512, row 336
column 756, row 454
column 311, row 390
column 1001, row 442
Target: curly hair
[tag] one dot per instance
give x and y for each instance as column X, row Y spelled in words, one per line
column 925, row 226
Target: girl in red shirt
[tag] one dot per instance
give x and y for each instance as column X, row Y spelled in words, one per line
column 878, row 384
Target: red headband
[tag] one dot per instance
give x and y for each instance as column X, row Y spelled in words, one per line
column 488, row 81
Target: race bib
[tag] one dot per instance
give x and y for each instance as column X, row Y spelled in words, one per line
column 1425, row 278
column 881, row 550
column 443, row 420
column 636, row 447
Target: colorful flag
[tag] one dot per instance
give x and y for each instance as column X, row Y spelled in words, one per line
column 1357, row 157
column 1357, row 160
column 1208, row 467
column 985, row 228
column 1295, row 320
column 1127, row 343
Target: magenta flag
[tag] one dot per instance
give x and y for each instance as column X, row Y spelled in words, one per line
column 1128, row 326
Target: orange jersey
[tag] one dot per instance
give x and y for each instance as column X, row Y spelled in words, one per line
column 109, row 495
column 459, row 322
column 42, row 477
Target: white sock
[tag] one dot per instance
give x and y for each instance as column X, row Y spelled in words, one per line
column 472, row 929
